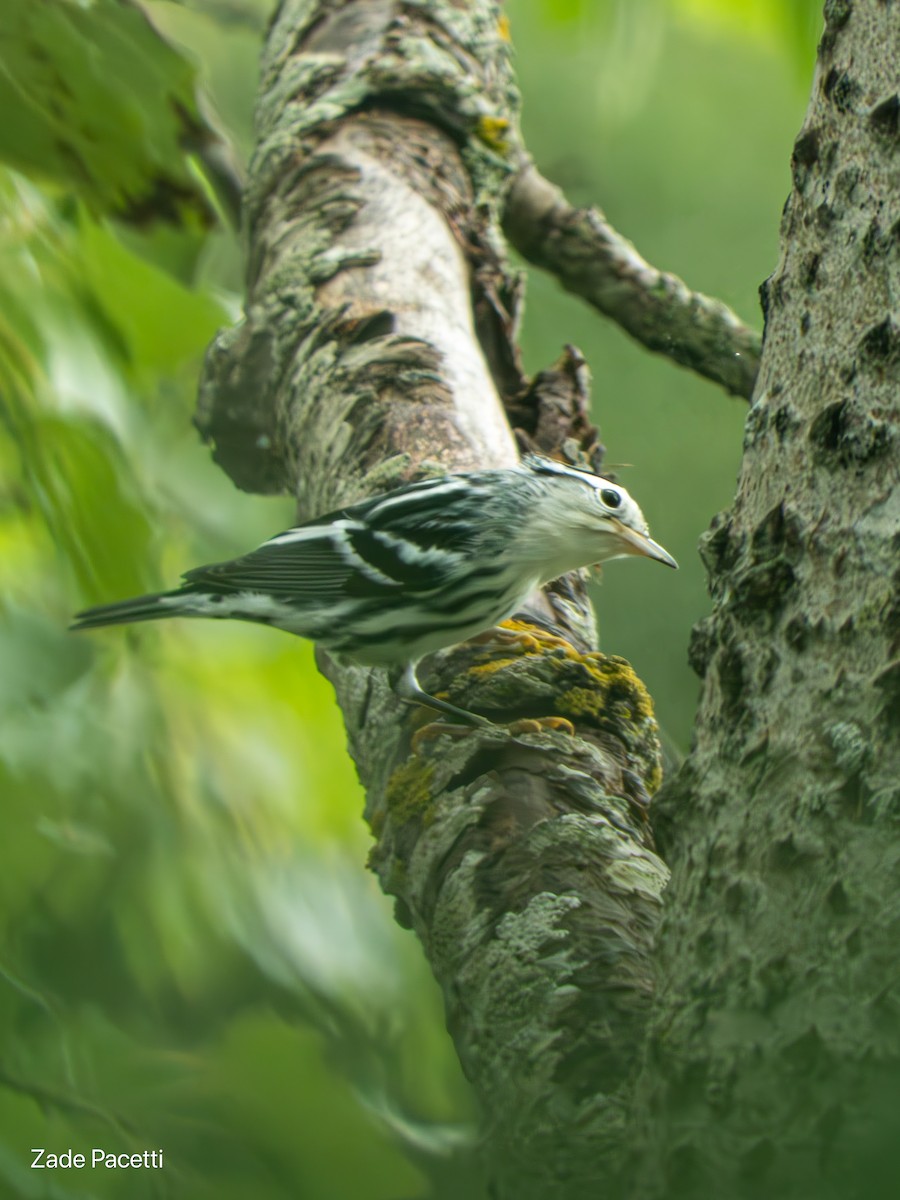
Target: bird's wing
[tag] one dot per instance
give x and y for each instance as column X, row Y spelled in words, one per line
column 414, row 539
column 432, row 515
column 340, row 559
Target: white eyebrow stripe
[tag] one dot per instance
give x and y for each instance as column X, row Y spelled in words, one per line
column 549, row 466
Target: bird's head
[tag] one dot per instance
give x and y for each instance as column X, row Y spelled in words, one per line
column 587, row 518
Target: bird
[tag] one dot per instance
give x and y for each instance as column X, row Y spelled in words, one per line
column 390, row 579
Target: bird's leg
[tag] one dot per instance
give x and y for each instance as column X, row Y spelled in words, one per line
column 406, row 687
column 530, row 640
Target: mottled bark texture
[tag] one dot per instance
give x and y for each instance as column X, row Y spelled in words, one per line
column 378, row 344
column 592, row 260
column 774, row 1061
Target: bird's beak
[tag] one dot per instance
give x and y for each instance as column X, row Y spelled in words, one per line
column 639, row 543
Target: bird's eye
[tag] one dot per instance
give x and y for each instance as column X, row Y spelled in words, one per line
column 610, row 498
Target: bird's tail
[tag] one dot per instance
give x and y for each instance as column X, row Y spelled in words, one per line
column 125, row 612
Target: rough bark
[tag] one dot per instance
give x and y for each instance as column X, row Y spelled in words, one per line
column 774, row 1063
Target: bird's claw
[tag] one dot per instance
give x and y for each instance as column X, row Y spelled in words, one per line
column 541, row 724
column 528, row 640
column 436, row 729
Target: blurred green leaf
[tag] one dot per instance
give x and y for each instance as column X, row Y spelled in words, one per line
column 39, row 659
column 96, row 100
column 160, row 321
column 77, row 475
column 302, row 1133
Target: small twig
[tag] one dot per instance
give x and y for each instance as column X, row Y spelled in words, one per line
column 66, row 1102
column 658, row 309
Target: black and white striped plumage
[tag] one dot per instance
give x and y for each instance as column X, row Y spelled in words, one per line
column 393, row 578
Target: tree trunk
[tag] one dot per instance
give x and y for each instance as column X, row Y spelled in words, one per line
column 774, row 1058
column 379, row 343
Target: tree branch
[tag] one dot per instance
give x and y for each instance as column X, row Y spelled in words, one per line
column 378, row 343
column 592, row 260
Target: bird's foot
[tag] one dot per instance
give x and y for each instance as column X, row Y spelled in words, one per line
column 540, row 724
column 528, row 639
column 436, row 729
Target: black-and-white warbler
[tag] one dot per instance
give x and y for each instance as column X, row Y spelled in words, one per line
column 390, row 579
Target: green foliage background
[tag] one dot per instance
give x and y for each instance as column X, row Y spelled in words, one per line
column 192, row 956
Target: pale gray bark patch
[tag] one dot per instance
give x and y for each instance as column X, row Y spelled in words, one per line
column 419, row 275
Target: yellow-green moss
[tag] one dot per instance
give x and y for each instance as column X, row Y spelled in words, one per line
column 489, row 668
column 516, row 626
column 654, row 779
column 632, row 700
column 494, row 132
column 409, row 790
